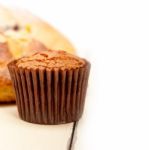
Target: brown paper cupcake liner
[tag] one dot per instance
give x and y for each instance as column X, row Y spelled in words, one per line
column 50, row 96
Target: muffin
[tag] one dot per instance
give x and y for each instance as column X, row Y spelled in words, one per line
column 50, row 86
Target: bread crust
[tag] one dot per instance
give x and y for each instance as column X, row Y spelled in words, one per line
column 42, row 36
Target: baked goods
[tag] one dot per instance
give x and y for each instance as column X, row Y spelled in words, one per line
column 50, row 86
column 21, row 34
column 6, row 91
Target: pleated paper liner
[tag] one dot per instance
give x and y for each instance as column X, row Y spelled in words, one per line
column 47, row 96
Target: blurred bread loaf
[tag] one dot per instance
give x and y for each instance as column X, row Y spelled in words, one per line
column 21, row 34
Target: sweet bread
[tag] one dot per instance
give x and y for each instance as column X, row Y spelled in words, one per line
column 22, row 33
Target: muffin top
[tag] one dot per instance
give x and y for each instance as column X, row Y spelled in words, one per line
column 51, row 59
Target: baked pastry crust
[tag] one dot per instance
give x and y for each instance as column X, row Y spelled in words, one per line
column 22, row 33
column 51, row 59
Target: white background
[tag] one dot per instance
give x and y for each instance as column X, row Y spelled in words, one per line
column 114, row 36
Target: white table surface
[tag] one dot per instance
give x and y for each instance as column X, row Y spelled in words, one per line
column 17, row 134
column 114, row 36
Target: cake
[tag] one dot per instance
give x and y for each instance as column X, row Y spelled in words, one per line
column 50, row 86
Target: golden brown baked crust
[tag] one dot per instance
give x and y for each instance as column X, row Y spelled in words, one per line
column 52, row 60
column 21, row 34
column 6, row 90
